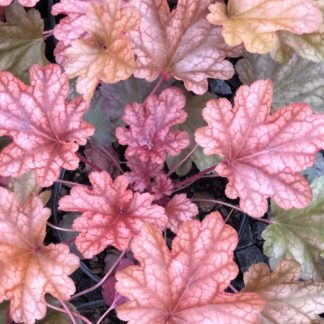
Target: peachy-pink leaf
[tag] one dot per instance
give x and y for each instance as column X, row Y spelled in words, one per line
column 46, row 129
column 111, row 214
column 180, row 209
column 181, row 43
column 263, row 153
column 149, row 135
column 187, row 284
column 28, row 268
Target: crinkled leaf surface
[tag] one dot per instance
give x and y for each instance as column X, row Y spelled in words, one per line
column 46, row 129
column 30, row 269
column 295, row 81
column 298, row 234
column 26, row 3
column 255, row 23
column 194, row 120
column 106, row 54
column 185, row 285
column 262, row 153
column 111, row 214
column 22, row 43
column 180, row 209
column 288, row 299
column 181, row 44
column 149, row 135
column 108, row 105
column 71, row 27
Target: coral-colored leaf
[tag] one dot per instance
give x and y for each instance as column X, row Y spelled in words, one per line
column 30, row 269
column 111, row 214
column 179, row 209
column 255, row 23
column 263, row 153
column 106, row 53
column 46, row 130
column 26, row 3
column 149, row 135
column 22, row 41
column 142, row 172
column 288, row 299
column 185, row 285
column 182, row 44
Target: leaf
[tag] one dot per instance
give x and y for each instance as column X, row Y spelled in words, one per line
column 30, row 269
column 109, row 293
column 111, row 214
column 298, row 234
column 45, row 128
column 26, row 3
column 255, row 23
column 142, row 172
column 288, row 299
column 262, row 153
column 24, row 186
column 181, row 44
column 179, row 209
column 185, row 285
column 107, row 106
column 52, row 316
column 22, row 43
column 309, row 46
column 194, row 120
column 106, row 54
column 296, row 81
column 149, row 135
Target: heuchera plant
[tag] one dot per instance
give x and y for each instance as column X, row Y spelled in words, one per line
column 121, row 98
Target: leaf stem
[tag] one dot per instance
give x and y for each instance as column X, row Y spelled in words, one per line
column 180, row 185
column 97, row 285
column 60, row 228
column 68, row 311
column 157, row 86
column 86, row 161
column 267, row 221
column 178, row 165
column 62, row 310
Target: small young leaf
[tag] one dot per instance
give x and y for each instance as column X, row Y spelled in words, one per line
column 187, row 284
column 295, row 81
column 298, row 234
column 45, row 128
column 22, row 43
column 111, row 214
column 180, row 209
column 288, row 299
column 255, row 23
column 263, row 153
column 149, row 135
